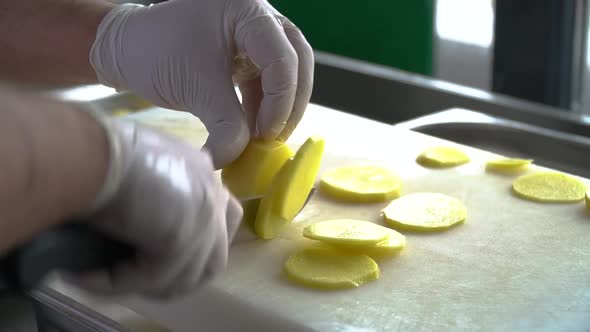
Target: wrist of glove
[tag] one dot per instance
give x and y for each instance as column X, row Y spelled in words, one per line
column 162, row 197
column 184, row 55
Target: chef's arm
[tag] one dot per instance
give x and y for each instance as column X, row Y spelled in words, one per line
column 49, row 42
column 53, row 161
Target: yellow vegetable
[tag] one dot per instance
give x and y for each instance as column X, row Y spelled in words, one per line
column 425, row 212
column 361, row 183
column 508, row 165
column 348, row 232
column 441, row 157
column 588, row 199
column 392, row 245
column 289, row 189
column 252, row 173
column 549, row 187
column 330, row 269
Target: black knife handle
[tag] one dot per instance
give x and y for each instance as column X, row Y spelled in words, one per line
column 71, row 247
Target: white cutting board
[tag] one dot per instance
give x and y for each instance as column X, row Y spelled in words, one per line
column 514, row 265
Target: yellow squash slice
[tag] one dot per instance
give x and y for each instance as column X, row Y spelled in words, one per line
column 289, row 189
column 252, row 173
column 392, row 245
column 442, row 157
column 549, row 187
column 508, row 165
column 330, row 269
column 425, row 212
column 361, row 183
column 347, row 232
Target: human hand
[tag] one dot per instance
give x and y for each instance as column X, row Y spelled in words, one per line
column 170, row 206
column 181, row 54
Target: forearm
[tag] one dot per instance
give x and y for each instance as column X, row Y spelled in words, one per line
column 53, row 161
column 49, row 42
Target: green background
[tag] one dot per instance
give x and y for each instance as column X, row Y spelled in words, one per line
column 388, row 32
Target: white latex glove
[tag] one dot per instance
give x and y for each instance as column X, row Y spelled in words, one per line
column 163, row 197
column 180, row 54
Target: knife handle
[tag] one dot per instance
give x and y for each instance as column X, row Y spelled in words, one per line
column 72, row 247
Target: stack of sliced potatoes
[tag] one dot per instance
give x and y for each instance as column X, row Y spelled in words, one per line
column 345, row 255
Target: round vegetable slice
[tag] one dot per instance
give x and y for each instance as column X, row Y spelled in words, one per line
column 508, row 165
column 549, row 187
column 348, row 232
column 361, row 183
column 392, row 245
column 252, row 173
column 442, row 156
column 289, row 189
column 425, row 212
column 330, row 269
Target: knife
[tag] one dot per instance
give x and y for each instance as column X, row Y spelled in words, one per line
column 77, row 246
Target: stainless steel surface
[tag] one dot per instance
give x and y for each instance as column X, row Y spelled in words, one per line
column 76, row 311
column 579, row 66
column 562, row 151
column 585, row 84
column 393, row 96
column 464, row 56
column 16, row 314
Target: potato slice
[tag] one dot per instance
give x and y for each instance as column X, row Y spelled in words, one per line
column 508, row 165
column 392, row 245
column 347, row 232
column 252, row 173
column 361, row 183
column 425, row 212
column 330, row 269
column 442, row 157
column 289, row 189
column 549, row 187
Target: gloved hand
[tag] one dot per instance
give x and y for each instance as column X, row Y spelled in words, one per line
column 161, row 196
column 180, row 54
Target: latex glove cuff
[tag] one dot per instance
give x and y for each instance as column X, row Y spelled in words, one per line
column 116, row 166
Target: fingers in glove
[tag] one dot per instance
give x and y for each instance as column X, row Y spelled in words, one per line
column 204, row 263
column 304, row 77
column 251, row 98
column 265, row 42
column 227, row 126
